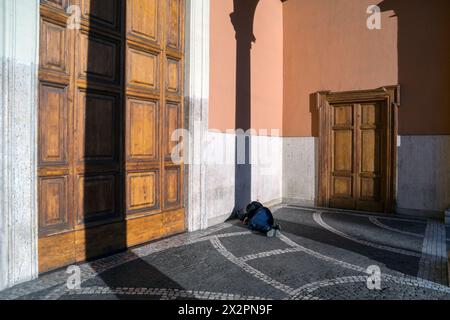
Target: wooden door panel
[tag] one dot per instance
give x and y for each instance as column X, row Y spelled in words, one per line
column 143, row 69
column 58, row 4
column 342, row 192
column 102, row 12
column 97, row 126
column 173, row 221
column 343, row 151
column 142, row 191
column 97, row 198
column 370, row 152
column 343, row 187
column 98, row 57
column 172, row 122
column 53, row 210
column 370, row 189
column 172, row 189
column 174, row 21
column 371, row 114
column 343, row 115
column 173, row 76
column 54, row 46
column 53, row 131
column 143, row 20
column 142, row 130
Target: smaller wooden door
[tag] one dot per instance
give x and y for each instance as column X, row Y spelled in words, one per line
column 357, row 152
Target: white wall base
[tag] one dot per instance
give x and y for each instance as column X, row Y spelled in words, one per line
column 197, row 99
column 220, row 160
column 424, row 173
column 291, row 174
column 300, row 170
column 18, row 140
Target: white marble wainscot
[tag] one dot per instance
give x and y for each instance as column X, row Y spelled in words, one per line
column 266, row 173
column 197, row 99
column 267, row 169
column 300, row 183
column 423, row 175
column 19, row 24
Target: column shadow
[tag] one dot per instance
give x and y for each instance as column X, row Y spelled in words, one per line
column 242, row 19
column 102, row 167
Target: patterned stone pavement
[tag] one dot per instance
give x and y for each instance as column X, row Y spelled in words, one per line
column 448, row 238
column 321, row 255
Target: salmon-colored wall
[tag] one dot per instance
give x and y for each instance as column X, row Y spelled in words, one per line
column 266, row 67
column 327, row 46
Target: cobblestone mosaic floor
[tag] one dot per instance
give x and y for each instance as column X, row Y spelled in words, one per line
column 321, row 255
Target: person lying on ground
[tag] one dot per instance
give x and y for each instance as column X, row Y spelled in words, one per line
column 259, row 218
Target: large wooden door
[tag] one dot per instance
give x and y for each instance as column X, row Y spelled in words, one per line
column 357, row 151
column 110, row 96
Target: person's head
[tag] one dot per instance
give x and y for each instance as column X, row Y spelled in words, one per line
column 252, row 207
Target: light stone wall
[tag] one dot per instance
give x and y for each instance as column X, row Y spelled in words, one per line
column 266, row 155
column 197, row 101
column 291, row 176
column 300, row 170
column 423, row 174
column 267, row 169
column 18, row 140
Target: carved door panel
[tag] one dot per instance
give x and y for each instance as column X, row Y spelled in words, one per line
column 343, row 143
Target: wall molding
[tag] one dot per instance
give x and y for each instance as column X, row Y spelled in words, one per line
column 197, row 98
column 19, row 24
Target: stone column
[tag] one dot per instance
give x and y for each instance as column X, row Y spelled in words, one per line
column 197, row 96
column 19, row 39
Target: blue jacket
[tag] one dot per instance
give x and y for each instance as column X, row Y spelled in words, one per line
column 261, row 220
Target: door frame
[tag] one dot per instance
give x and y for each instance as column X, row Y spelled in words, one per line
column 391, row 96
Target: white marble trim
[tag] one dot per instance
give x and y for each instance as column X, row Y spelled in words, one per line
column 19, row 30
column 197, row 96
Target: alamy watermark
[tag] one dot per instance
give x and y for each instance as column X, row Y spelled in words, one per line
column 74, row 20
column 374, row 278
column 232, row 147
column 374, row 20
column 74, row 280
